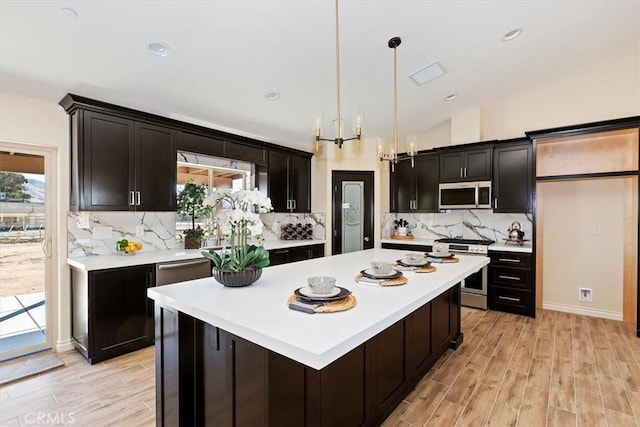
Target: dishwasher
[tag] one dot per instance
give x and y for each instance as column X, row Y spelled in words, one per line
column 181, row 271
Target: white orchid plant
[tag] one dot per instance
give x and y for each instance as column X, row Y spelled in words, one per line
column 240, row 221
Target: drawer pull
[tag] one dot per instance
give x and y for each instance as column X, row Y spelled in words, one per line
column 509, row 277
column 509, row 298
column 509, row 260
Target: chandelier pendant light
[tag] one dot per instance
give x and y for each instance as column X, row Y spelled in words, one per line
column 392, row 155
column 339, row 139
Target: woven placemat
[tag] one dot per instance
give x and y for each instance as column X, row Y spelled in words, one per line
column 331, row 307
column 427, row 269
column 402, row 280
column 451, row 260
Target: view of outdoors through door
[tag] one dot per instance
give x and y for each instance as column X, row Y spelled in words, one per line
column 22, row 260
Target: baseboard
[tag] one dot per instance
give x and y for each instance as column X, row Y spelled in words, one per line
column 62, row 346
column 593, row 312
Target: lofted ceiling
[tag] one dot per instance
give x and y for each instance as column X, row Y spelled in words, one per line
column 225, row 56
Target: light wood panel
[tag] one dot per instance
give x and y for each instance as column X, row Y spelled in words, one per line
column 539, row 245
column 630, row 263
column 613, row 151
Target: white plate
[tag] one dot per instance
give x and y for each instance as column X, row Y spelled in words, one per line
column 372, row 273
column 440, row 254
column 308, row 292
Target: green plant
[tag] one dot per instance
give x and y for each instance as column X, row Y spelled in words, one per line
column 191, row 201
column 241, row 224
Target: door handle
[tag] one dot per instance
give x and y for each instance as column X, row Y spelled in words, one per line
column 495, row 203
column 465, row 172
column 509, row 277
column 509, row 260
column 461, row 173
column 509, row 298
column 132, row 198
column 366, row 239
column 137, row 198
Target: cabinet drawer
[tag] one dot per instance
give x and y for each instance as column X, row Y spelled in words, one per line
column 407, row 247
column 510, row 277
column 511, row 259
column 511, row 300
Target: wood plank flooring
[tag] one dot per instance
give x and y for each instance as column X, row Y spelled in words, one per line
column 556, row 370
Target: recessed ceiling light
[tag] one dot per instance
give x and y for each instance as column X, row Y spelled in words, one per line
column 428, row 73
column 67, row 12
column 451, row 97
column 512, row 34
column 272, row 96
column 159, row 48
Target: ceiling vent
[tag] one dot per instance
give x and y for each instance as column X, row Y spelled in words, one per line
column 428, row 73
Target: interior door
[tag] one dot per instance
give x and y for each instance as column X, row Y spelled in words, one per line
column 352, row 208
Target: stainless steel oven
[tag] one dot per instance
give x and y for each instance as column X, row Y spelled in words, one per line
column 474, row 287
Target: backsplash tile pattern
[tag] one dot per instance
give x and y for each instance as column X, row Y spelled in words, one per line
column 468, row 224
column 159, row 230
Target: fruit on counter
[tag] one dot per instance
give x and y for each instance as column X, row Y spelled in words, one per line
column 128, row 247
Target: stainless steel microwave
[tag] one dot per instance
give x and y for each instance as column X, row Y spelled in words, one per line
column 465, row 195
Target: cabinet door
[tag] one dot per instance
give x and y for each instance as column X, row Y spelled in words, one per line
column 155, row 168
column 278, row 256
column 418, row 338
column 478, row 165
column 451, row 167
column 427, row 183
column 512, row 178
column 300, row 183
column 279, row 180
column 441, row 322
column 121, row 312
column 196, row 143
column 107, row 175
column 403, row 186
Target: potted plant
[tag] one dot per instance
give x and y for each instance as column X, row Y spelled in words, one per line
column 191, row 201
column 242, row 263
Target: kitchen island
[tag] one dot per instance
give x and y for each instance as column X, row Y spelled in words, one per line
column 240, row 356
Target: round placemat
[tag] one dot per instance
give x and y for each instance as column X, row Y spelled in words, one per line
column 402, row 280
column 427, row 269
column 331, row 307
column 450, row 260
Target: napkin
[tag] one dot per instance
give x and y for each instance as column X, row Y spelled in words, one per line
column 404, row 267
column 305, row 306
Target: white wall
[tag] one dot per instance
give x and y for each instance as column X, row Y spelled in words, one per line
column 36, row 123
column 583, row 244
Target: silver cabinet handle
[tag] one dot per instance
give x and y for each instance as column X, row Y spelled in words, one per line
column 495, row 203
column 509, row 298
column 509, row 260
column 461, row 173
column 132, row 198
column 293, row 202
column 181, row 264
column 137, row 198
column 465, row 172
column 509, row 277
column 477, row 195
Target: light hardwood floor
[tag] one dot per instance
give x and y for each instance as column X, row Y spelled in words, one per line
column 556, row 370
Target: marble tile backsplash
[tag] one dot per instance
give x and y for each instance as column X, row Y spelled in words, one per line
column 468, row 224
column 88, row 232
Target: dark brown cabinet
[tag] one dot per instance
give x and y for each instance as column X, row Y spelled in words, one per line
column 511, row 285
column 415, row 189
column 289, row 182
column 208, row 376
column 120, row 164
column 512, row 176
column 299, row 253
column 111, row 314
column 466, row 165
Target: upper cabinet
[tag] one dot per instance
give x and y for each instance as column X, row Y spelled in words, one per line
column 415, row 189
column 465, row 164
column 117, row 163
column 512, row 176
column 289, row 182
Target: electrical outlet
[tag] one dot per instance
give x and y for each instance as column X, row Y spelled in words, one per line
column 101, row 232
column 83, row 221
column 585, row 294
column 139, row 230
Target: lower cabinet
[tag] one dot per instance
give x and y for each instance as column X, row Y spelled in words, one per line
column 111, row 314
column 207, row 376
column 511, row 285
column 298, row 253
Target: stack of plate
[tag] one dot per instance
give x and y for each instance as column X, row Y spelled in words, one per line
column 337, row 293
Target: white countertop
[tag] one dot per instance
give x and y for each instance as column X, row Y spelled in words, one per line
column 259, row 313
column 498, row 246
column 101, row 262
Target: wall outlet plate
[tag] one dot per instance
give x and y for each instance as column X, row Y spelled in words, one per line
column 585, row 294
